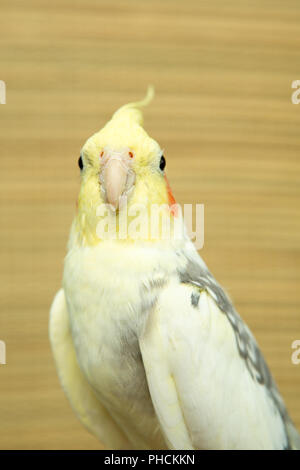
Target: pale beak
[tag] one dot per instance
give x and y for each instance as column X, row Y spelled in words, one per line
column 117, row 177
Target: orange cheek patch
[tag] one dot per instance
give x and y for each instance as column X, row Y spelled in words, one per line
column 171, row 199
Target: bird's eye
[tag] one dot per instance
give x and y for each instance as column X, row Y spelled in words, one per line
column 80, row 163
column 162, row 163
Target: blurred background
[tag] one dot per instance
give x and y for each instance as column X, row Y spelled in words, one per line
column 222, row 112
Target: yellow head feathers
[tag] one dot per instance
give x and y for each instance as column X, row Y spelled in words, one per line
column 124, row 130
column 120, row 162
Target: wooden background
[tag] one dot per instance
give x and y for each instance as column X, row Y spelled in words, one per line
column 223, row 114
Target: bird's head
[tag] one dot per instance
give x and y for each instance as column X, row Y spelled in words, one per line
column 121, row 168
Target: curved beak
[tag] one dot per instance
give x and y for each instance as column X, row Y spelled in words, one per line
column 116, row 177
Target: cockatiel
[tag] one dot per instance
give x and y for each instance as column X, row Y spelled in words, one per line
column 149, row 349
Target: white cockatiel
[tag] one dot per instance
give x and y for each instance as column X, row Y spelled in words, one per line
column 149, row 349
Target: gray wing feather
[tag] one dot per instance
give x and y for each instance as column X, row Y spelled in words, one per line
column 194, row 273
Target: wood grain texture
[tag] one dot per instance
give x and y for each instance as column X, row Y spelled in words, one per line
column 223, row 114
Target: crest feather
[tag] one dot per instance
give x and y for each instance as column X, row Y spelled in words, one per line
column 131, row 111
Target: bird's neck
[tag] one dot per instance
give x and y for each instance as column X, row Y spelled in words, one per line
column 150, row 225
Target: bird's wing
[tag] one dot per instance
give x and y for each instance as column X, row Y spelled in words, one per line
column 81, row 396
column 209, row 383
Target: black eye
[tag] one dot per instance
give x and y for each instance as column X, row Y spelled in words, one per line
column 80, row 163
column 162, row 163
